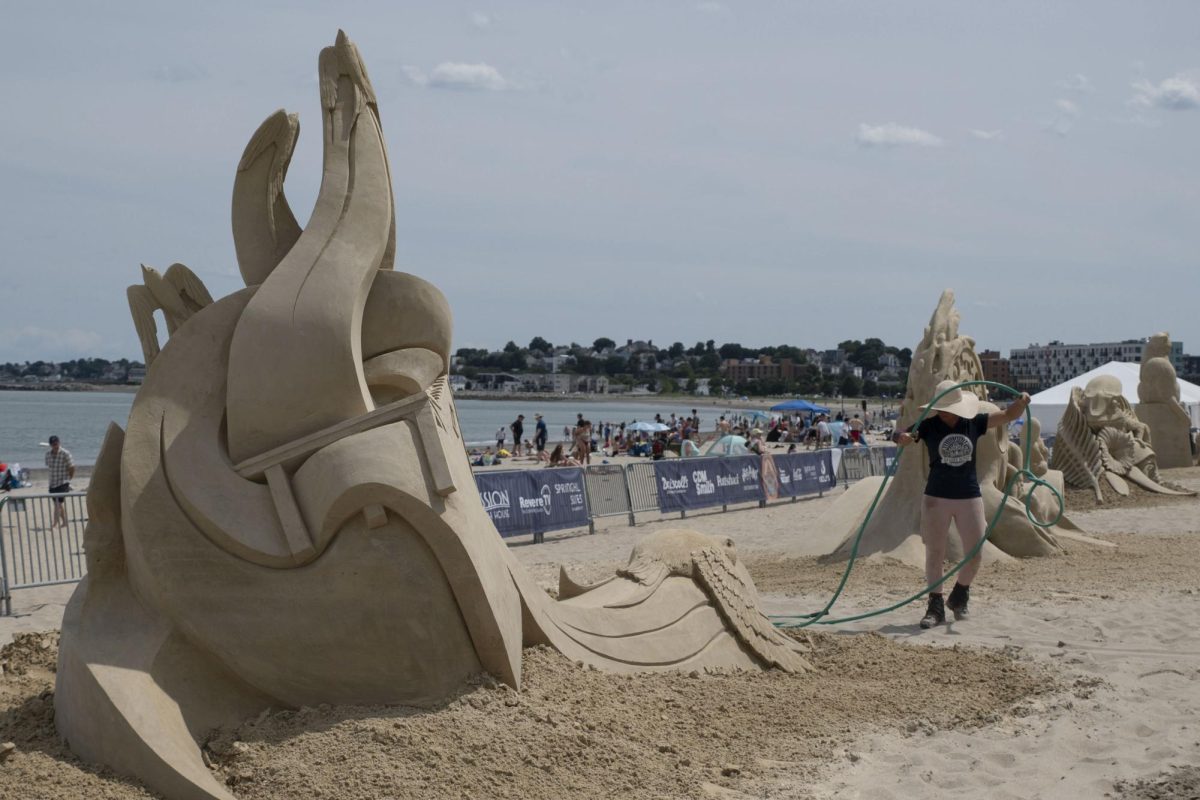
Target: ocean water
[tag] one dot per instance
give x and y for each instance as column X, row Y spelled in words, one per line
column 80, row 419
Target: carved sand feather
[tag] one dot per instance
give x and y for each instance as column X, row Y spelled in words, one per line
column 142, row 306
column 192, row 290
column 1076, row 451
column 737, row 605
column 277, row 133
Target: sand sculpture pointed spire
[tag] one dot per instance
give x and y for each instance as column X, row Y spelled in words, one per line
column 894, row 529
column 299, row 343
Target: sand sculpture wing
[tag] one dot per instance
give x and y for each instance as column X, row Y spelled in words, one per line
column 192, row 291
column 1076, row 451
column 648, row 573
column 264, row 227
column 142, row 306
column 736, row 602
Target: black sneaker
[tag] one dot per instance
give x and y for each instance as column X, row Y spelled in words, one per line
column 935, row 614
column 957, row 602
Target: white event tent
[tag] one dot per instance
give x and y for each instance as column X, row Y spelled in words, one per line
column 1048, row 405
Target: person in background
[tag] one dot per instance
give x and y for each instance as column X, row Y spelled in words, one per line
column 500, row 436
column 560, row 459
column 857, row 430
column 518, row 431
column 62, row 471
column 539, row 436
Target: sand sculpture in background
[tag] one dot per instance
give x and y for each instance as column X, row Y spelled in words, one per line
column 1101, row 439
column 290, row 518
column 178, row 295
column 894, row 528
column 1159, row 407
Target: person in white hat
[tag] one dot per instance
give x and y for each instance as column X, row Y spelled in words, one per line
column 950, row 432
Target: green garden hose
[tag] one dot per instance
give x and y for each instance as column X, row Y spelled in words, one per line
column 822, row 617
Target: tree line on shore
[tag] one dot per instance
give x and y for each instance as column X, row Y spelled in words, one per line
column 79, row 370
column 679, row 368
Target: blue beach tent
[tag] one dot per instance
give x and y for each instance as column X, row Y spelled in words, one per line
column 800, row 405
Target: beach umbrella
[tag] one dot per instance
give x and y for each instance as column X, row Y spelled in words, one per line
column 647, row 427
column 800, row 405
column 755, row 416
column 728, row 446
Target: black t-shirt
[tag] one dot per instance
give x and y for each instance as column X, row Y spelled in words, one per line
column 952, row 455
column 518, row 428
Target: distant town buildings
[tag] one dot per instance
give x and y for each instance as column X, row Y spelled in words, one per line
column 1038, row 366
column 996, row 368
column 757, row 369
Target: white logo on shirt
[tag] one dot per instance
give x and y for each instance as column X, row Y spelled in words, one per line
column 955, row 450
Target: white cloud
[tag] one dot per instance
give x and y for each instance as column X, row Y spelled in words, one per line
column 1178, row 93
column 481, row 20
column 415, row 74
column 1064, row 120
column 892, row 135
column 1067, row 107
column 987, row 136
column 1077, row 83
column 453, row 75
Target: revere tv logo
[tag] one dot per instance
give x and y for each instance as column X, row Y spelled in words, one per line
column 532, row 505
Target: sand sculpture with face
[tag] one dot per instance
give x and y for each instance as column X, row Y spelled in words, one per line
column 1100, row 438
column 290, row 519
column 894, row 528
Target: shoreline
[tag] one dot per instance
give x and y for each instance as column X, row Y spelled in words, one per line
column 117, row 388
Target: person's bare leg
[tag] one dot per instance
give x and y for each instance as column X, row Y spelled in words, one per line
column 971, row 523
column 935, row 525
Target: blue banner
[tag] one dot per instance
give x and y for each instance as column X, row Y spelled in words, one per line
column 534, row 501
column 739, row 479
column 691, row 483
column 686, row 483
column 889, row 455
column 805, row 473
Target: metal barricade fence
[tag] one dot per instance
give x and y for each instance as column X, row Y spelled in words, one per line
column 855, row 465
column 607, row 491
column 34, row 550
column 643, row 487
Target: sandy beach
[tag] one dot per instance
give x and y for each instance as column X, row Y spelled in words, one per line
column 1077, row 676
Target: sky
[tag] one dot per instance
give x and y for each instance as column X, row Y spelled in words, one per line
column 761, row 173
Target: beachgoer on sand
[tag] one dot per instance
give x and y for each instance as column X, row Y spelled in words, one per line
column 62, row 471
column 952, row 491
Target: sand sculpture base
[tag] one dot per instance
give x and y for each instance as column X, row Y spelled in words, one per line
column 1169, row 433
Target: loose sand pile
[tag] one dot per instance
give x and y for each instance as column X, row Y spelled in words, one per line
column 975, row 714
column 1178, row 784
column 573, row 732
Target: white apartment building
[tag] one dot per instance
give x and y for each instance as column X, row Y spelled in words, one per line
column 1038, row 366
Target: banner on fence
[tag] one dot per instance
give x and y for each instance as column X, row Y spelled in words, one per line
column 805, row 473
column 534, row 501
column 685, row 484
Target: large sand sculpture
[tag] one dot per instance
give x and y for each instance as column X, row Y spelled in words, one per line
column 290, row 518
column 1100, row 438
column 1159, row 407
column 894, row 528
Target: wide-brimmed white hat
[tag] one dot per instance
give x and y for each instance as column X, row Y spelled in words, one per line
column 958, row 402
